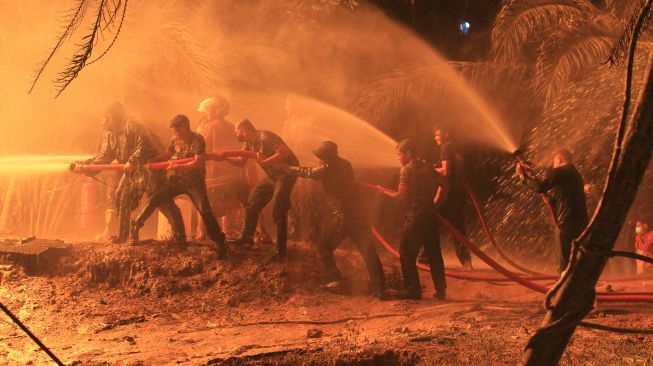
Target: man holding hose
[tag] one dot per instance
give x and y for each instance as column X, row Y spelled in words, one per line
column 564, row 185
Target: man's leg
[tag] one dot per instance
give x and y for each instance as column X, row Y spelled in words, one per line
column 568, row 232
column 162, row 196
column 282, row 190
column 361, row 234
column 200, row 200
column 409, row 246
column 453, row 212
column 332, row 237
column 122, row 210
column 171, row 211
column 434, row 255
column 258, row 198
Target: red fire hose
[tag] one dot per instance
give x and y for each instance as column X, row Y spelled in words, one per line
column 486, row 229
column 605, row 297
column 165, row 164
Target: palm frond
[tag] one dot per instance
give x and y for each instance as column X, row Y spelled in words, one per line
column 565, row 54
column 72, row 22
column 519, row 21
column 117, row 7
column 390, row 92
column 83, row 52
column 200, row 66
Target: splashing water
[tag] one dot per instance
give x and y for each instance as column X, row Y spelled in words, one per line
column 312, row 122
column 37, row 163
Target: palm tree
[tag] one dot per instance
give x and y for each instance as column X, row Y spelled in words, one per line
column 558, row 40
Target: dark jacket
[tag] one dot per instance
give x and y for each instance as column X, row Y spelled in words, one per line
column 342, row 191
column 564, row 185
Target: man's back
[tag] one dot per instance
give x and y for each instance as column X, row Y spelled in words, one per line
column 419, row 179
column 566, row 190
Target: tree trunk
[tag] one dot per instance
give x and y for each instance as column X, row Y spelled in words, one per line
column 573, row 296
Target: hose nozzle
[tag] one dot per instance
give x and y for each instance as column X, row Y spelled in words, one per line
column 520, row 157
column 76, row 166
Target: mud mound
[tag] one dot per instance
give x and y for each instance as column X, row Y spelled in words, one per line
column 159, row 269
column 318, row 357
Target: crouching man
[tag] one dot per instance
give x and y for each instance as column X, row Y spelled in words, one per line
column 345, row 216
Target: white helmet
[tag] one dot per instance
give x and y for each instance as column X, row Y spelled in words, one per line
column 217, row 105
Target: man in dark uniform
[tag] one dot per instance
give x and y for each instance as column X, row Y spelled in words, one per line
column 130, row 143
column 345, row 217
column 452, row 208
column 273, row 154
column 417, row 189
column 188, row 178
column 564, row 185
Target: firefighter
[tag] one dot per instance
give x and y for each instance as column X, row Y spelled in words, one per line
column 273, row 154
column 129, row 143
column 188, row 178
column 564, row 184
column 416, row 190
column 227, row 185
column 345, row 217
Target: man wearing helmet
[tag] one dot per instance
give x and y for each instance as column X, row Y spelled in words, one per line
column 346, row 215
column 227, row 185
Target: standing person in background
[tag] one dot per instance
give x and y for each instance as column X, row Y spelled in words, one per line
column 452, row 208
column 644, row 245
column 227, row 185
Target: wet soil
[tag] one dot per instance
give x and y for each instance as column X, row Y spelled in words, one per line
column 159, row 304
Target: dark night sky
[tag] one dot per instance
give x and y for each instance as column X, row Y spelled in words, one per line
column 437, row 21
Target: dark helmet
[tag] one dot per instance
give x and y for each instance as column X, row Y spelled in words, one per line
column 327, row 151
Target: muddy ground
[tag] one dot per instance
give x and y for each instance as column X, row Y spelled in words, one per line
column 157, row 304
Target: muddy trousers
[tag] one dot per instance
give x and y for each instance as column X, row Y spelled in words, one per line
column 278, row 189
column 567, row 232
column 167, row 207
column 454, row 214
column 199, row 198
column 421, row 232
column 361, row 235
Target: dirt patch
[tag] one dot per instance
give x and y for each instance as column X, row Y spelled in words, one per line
column 164, row 305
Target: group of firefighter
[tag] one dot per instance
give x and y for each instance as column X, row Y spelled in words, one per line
column 425, row 190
